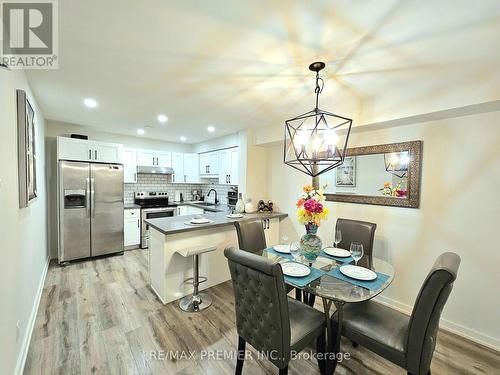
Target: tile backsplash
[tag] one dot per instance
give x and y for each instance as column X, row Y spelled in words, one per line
column 152, row 182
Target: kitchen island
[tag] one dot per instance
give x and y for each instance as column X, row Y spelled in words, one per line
column 168, row 269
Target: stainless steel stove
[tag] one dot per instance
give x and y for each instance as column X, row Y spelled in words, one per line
column 153, row 204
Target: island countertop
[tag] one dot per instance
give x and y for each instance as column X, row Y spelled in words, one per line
column 172, row 225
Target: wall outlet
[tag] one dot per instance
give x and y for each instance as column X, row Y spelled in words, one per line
column 18, row 330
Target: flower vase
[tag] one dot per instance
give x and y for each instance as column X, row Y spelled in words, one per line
column 310, row 243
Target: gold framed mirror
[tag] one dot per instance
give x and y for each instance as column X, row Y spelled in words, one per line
column 386, row 175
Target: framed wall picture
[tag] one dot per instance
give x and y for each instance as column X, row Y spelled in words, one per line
column 345, row 175
column 26, row 147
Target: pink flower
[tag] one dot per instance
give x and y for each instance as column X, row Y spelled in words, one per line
column 313, row 205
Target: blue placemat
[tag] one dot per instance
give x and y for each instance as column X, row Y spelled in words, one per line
column 371, row 285
column 270, row 250
column 348, row 259
column 303, row 281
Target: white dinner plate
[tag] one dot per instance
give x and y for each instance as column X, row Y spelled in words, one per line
column 201, row 220
column 285, row 249
column 337, row 252
column 295, row 269
column 198, row 223
column 234, row 216
column 358, row 273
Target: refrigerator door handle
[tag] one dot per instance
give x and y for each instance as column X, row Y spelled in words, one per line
column 92, row 195
column 87, row 196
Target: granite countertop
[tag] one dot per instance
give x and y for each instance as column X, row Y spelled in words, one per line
column 172, row 225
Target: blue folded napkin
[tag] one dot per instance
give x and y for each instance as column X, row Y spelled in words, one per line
column 371, row 285
column 348, row 259
column 303, row 281
column 270, row 250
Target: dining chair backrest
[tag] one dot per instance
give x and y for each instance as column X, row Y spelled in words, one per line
column 261, row 304
column 424, row 321
column 358, row 231
column 251, row 236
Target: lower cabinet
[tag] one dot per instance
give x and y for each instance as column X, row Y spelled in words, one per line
column 272, row 231
column 189, row 210
column 132, row 227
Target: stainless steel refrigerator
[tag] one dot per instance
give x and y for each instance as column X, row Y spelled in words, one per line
column 90, row 209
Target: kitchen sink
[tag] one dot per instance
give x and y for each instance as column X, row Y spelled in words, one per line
column 204, row 204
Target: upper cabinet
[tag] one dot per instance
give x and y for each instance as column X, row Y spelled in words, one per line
column 185, row 167
column 85, row 150
column 149, row 158
column 209, row 164
column 130, row 165
column 228, row 166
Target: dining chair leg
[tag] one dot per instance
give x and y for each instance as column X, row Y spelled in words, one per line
column 321, row 352
column 298, row 294
column 284, row 371
column 240, row 355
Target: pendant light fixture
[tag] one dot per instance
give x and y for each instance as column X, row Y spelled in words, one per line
column 316, row 141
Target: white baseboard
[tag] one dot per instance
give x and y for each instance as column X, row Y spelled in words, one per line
column 447, row 325
column 23, row 353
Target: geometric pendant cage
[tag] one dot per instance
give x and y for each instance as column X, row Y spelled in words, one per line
column 396, row 163
column 316, row 141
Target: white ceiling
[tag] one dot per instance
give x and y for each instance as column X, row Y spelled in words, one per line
column 240, row 64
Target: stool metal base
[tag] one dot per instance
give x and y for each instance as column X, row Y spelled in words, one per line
column 192, row 303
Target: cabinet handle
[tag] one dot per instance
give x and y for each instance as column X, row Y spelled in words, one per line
column 137, row 223
column 229, row 177
column 268, row 221
column 90, row 154
column 264, row 224
column 135, row 177
column 95, row 153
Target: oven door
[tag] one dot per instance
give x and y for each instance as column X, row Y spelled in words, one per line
column 152, row 213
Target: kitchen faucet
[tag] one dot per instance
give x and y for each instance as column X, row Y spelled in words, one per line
column 215, row 191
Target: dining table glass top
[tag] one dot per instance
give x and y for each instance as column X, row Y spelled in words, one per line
column 335, row 289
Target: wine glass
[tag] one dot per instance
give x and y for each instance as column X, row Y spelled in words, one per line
column 285, row 239
column 337, row 237
column 295, row 250
column 356, row 252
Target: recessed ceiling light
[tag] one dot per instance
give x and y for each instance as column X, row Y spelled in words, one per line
column 91, row 103
column 183, row 139
column 162, row 118
column 140, row 131
column 211, row 129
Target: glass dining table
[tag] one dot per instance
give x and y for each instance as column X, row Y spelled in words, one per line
column 334, row 291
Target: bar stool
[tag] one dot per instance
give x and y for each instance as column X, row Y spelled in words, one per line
column 196, row 301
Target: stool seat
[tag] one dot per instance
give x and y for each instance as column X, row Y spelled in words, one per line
column 196, row 301
column 196, row 250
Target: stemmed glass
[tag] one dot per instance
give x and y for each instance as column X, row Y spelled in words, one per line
column 337, row 237
column 285, row 239
column 356, row 252
column 295, row 250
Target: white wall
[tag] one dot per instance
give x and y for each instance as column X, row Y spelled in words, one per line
column 23, row 237
column 227, row 141
column 460, row 211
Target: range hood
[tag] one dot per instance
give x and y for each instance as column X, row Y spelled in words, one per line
column 154, row 170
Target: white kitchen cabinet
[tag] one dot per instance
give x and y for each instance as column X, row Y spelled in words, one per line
column 178, row 166
column 163, row 159
column 146, row 158
column 130, row 165
column 271, row 231
column 150, row 158
column 194, row 210
column 228, row 166
column 233, row 171
column 92, row 151
column 209, row 164
column 191, row 168
column 182, row 210
column 132, row 227
column 73, row 149
column 107, row 152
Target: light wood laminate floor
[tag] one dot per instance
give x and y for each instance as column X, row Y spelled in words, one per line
column 100, row 317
